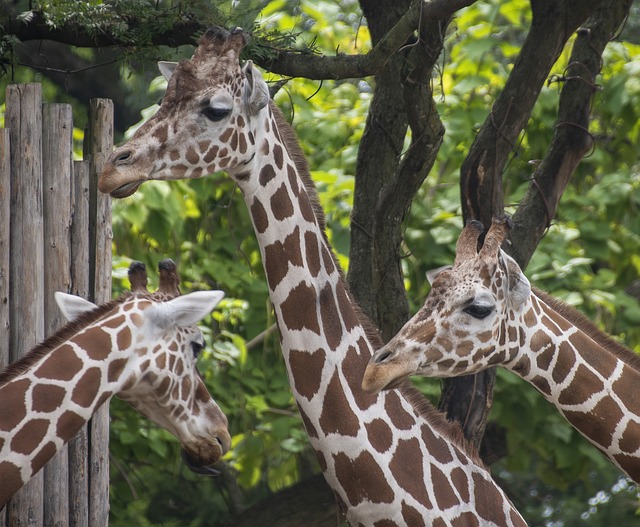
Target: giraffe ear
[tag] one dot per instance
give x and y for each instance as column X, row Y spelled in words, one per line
column 433, row 273
column 167, row 68
column 519, row 286
column 72, row 306
column 256, row 95
column 184, row 310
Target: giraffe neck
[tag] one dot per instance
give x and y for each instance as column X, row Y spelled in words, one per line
column 49, row 394
column 592, row 381
column 387, row 462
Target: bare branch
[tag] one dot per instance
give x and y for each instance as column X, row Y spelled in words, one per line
column 571, row 140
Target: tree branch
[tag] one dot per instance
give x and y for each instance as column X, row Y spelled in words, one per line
column 571, row 139
column 185, row 31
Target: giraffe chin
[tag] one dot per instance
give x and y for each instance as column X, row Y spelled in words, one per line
column 378, row 378
column 126, row 190
column 195, row 466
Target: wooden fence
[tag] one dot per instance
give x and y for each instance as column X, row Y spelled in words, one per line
column 55, row 235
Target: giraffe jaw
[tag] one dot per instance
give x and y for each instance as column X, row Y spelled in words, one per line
column 194, row 465
column 126, row 190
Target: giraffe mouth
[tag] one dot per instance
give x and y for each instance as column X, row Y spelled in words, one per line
column 125, row 190
column 195, row 466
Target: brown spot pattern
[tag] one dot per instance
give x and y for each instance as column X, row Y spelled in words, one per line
column 444, row 494
column 13, row 396
column 281, row 205
column 267, row 173
column 306, row 370
column 486, row 497
column 466, row 519
column 577, row 393
column 411, row 516
column 599, row 359
column 86, row 389
column 192, row 156
column 44, row 455
column 337, row 415
column 330, row 318
column 621, row 385
column 312, row 252
column 353, row 368
column 406, row 467
column 299, row 309
column 379, row 435
column 115, row 369
column 277, row 155
column 594, row 425
column 436, row 445
column 46, row 397
column 63, row 364
column 400, row 418
column 27, row 438
column 279, row 255
column 564, row 364
column 97, row 343
column 306, row 209
column 459, row 480
column 68, row 424
column 211, row 154
column 362, row 479
column 259, row 215
column 630, row 440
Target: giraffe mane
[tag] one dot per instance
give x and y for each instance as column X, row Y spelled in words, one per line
column 59, row 337
column 582, row 322
column 418, row 401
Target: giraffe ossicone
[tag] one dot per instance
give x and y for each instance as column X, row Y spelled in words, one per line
column 483, row 312
column 141, row 348
column 390, row 459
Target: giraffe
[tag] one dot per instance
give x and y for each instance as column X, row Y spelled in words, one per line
column 142, row 348
column 391, row 459
column 483, row 312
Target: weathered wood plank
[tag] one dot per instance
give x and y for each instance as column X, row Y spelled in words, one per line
column 57, row 148
column 98, row 145
column 5, row 319
column 23, row 118
column 79, row 445
column 5, row 198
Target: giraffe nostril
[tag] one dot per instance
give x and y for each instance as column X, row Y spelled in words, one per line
column 381, row 356
column 123, row 157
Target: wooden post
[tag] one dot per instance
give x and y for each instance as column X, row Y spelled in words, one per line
column 98, row 145
column 23, row 118
column 5, row 199
column 79, row 445
column 55, row 234
column 57, row 149
column 5, row 320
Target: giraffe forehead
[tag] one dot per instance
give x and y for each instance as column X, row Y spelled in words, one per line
column 190, row 80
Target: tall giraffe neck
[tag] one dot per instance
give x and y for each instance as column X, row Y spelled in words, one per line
column 139, row 348
column 49, row 394
column 388, row 461
column 591, row 379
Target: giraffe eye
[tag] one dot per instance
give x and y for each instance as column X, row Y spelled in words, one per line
column 196, row 347
column 215, row 114
column 478, row 311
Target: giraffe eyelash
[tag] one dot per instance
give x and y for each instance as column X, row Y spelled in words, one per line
column 196, row 347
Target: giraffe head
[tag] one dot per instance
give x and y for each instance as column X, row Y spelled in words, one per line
column 157, row 374
column 206, row 121
column 461, row 327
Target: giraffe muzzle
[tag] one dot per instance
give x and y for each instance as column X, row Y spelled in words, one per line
column 195, row 466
